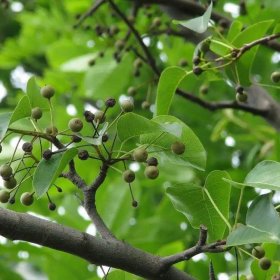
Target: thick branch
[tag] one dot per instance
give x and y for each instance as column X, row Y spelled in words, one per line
column 19, row 226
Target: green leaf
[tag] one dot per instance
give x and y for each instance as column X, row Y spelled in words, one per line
column 220, row 47
column 35, row 97
column 168, row 82
column 78, row 64
column 244, row 63
column 193, row 201
column 22, row 110
column 198, row 24
column 262, row 224
column 121, row 275
column 131, row 125
column 234, row 30
column 176, row 130
column 4, row 123
column 47, row 171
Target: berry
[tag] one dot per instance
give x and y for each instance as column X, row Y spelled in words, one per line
column 134, row 203
column 197, row 70
column 89, row 116
column 47, row 91
column 239, row 89
column 241, row 97
column 204, row 47
column 264, row 263
column 105, row 137
column 145, row 105
column 75, row 125
column 36, row 113
column 140, row 155
column 101, row 54
column 183, row 62
column 152, row 161
column 52, row 130
column 12, row 200
column 83, row 154
column 4, row 196
column 47, row 154
column 151, row 172
column 275, row 77
column 258, row 252
column 131, row 91
column 6, row 171
column 27, row 147
column 26, row 198
column 178, row 148
column 76, row 139
column 91, row 62
column 51, row 206
column 99, row 117
column 127, row 105
column 11, row 183
column 137, row 63
column 129, row 176
column 111, row 102
column 196, row 60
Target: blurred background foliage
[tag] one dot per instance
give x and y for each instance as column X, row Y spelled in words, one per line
column 37, row 37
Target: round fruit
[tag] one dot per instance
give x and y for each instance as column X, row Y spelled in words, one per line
column 36, row 113
column 131, row 91
column 204, row 47
column 275, row 77
column 145, row 105
column 105, row 138
column 196, row 60
column 137, row 63
column 152, row 161
column 11, row 183
column 47, row 154
column 51, row 206
column 47, row 91
column 4, row 196
column 110, row 102
column 264, row 263
column 178, row 148
column 258, row 252
column 197, row 70
column 151, row 172
column 134, row 203
column 6, row 171
column 52, row 130
column 75, row 125
column 76, row 139
column 83, row 155
column 26, row 199
column 99, row 117
column 27, row 147
column 127, row 105
column 140, row 155
column 241, row 97
column 204, row 89
column 183, row 62
column 89, row 116
column 239, row 89
column 129, row 176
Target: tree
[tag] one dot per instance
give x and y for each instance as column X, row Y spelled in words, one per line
column 140, row 136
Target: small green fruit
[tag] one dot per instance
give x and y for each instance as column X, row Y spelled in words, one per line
column 6, row 171
column 11, row 183
column 178, row 148
column 151, row 172
column 4, row 196
column 145, row 105
column 47, row 91
column 183, row 62
column 275, row 77
column 258, row 252
column 27, row 147
column 127, row 105
column 131, row 91
column 26, row 199
column 75, row 125
column 99, row 117
column 196, row 60
column 264, row 263
column 36, row 113
column 241, row 97
column 197, row 70
column 140, row 155
column 51, row 206
column 52, row 130
column 128, row 176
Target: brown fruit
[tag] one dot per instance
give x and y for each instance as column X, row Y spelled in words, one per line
column 11, row 183
column 26, row 199
column 75, row 125
column 151, row 172
column 127, row 105
column 36, row 113
column 47, row 91
column 264, row 263
column 6, row 171
column 258, row 252
column 4, row 196
column 140, row 155
column 178, row 148
column 128, row 176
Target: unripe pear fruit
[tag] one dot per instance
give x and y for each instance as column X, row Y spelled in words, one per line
column 275, row 77
column 258, row 252
column 178, row 148
column 264, row 263
column 47, row 91
column 152, row 161
column 131, row 91
column 4, row 196
column 26, row 199
column 128, row 176
column 6, row 171
column 241, row 97
column 10, row 183
column 127, row 105
column 75, row 124
column 151, row 172
column 140, row 155
column 99, row 117
column 36, row 113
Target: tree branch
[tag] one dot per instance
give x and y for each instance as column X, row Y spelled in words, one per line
column 25, row 227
